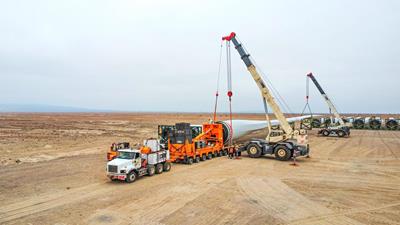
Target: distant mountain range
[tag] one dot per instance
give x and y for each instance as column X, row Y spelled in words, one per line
column 44, row 108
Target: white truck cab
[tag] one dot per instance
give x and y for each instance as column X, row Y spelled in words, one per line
column 132, row 163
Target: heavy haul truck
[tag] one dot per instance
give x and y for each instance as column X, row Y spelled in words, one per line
column 284, row 143
column 343, row 129
column 129, row 164
column 186, row 149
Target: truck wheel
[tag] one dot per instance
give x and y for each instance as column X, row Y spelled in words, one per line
column 341, row 133
column 167, row 166
column 159, row 168
column 325, row 133
column 209, row 156
column 197, row 159
column 203, row 157
column 190, row 161
column 151, row 170
column 253, row 150
column 219, row 154
column 224, row 153
column 131, row 177
column 282, row 153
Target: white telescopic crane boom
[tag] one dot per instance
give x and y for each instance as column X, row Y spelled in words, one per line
column 327, row 100
column 265, row 92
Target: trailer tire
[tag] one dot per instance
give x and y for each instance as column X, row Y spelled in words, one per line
column 325, row 133
column 159, row 168
column 197, row 159
column 341, row 133
column 282, row 153
column 167, row 166
column 151, row 170
column 209, row 156
column 131, row 177
column 203, row 157
column 253, row 150
column 190, row 161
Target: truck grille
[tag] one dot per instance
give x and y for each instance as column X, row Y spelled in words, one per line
column 113, row 169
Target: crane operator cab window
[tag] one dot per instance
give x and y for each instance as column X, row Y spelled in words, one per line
column 276, row 133
column 275, row 136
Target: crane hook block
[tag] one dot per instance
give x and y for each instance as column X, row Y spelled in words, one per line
column 228, row 38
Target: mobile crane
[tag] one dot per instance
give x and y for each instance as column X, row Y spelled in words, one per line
column 284, row 143
column 343, row 129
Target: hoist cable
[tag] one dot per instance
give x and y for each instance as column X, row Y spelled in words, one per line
column 229, row 79
column 275, row 92
column 218, row 80
column 307, row 97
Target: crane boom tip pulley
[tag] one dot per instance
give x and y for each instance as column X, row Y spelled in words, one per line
column 229, row 37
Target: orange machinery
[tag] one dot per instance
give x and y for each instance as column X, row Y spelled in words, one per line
column 113, row 150
column 208, row 144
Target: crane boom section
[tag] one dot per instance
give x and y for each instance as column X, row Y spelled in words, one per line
column 265, row 92
column 326, row 98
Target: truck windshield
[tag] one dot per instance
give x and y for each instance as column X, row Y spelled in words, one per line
column 126, row 155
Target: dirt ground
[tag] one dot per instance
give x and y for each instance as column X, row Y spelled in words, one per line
column 52, row 171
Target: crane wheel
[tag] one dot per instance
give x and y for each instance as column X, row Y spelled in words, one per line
column 159, row 168
column 197, row 159
column 253, row 150
column 189, row 161
column 203, row 157
column 131, row 177
column 282, row 153
column 325, row 133
column 151, row 170
column 167, row 166
column 341, row 133
column 209, row 156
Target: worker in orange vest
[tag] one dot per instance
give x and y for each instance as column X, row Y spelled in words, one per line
column 230, row 153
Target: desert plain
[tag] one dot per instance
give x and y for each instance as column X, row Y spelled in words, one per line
column 52, row 171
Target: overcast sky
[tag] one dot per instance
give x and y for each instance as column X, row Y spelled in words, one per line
column 163, row 55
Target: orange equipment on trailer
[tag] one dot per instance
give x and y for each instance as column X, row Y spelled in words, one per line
column 184, row 148
column 113, row 150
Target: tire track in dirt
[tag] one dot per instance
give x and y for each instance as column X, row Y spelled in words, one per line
column 49, row 201
column 183, row 189
column 381, row 138
column 37, row 204
column 334, row 216
column 279, row 199
column 284, row 203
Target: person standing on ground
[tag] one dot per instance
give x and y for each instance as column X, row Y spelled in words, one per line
column 230, row 153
